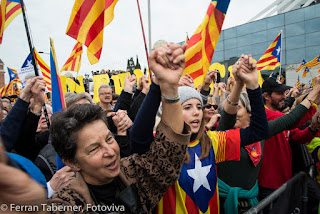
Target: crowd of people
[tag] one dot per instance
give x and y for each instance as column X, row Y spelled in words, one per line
column 159, row 147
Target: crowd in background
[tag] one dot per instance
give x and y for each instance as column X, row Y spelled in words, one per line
column 220, row 149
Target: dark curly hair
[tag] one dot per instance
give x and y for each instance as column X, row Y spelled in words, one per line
column 65, row 126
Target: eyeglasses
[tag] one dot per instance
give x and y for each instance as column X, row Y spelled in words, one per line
column 209, row 106
column 105, row 93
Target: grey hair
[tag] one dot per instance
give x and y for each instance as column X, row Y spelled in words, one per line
column 49, row 108
column 104, row 86
column 71, row 98
column 159, row 43
column 245, row 101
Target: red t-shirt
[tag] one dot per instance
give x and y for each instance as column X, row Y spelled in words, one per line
column 276, row 165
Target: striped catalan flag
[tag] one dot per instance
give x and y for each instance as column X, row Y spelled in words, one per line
column 13, row 74
column 58, row 102
column 11, row 10
column 11, row 88
column 45, row 70
column 280, row 77
column 87, row 20
column 271, row 58
column 2, row 18
column 298, row 82
column 202, row 44
column 196, row 190
column 74, row 61
column 314, row 62
column 302, row 64
column 306, row 70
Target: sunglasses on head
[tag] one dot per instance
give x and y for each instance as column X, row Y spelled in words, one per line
column 208, row 106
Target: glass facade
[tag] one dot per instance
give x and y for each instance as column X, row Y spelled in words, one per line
column 301, row 38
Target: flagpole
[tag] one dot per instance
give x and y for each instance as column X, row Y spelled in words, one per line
column 149, row 25
column 29, row 39
column 144, row 38
column 280, row 52
column 33, row 57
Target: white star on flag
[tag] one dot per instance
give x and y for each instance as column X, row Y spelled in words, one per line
column 199, row 174
column 278, row 50
column 29, row 63
column 12, row 75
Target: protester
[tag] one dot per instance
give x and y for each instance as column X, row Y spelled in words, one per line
column 239, row 179
column 114, row 99
column 276, row 166
column 94, row 155
column 198, row 176
column 130, row 103
column 210, row 114
column 12, row 125
column 6, row 103
column 105, row 97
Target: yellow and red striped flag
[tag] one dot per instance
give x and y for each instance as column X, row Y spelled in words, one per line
column 11, row 9
column 11, row 88
column 302, row 64
column 45, row 70
column 74, row 61
column 280, row 77
column 306, row 70
column 87, row 20
column 204, row 40
column 2, row 18
column 271, row 58
column 298, row 82
column 314, row 62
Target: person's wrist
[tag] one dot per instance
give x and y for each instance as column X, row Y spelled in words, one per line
column 313, row 128
column 252, row 86
column 25, row 97
column 312, row 95
column 145, row 90
column 121, row 132
column 128, row 89
column 169, row 90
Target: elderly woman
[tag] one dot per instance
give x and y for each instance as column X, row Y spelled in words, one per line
column 136, row 183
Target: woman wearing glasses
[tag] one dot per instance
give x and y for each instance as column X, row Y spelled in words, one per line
column 210, row 114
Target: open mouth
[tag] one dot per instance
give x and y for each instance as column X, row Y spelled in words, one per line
column 195, row 123
column 112, row 165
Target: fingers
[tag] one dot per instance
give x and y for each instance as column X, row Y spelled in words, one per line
column 177, row 55
column 164, row 57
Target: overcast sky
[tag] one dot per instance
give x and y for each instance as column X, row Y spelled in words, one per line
column 170, row 20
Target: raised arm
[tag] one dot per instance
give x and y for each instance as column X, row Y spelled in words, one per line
column 160, row 166
column 168, row 78
column 258, row 128
column 287, row 121
column 12, row 124
column 124, row 100
column 228, row 115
